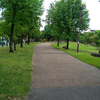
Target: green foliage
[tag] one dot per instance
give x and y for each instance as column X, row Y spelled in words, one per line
column 5, row 28
column 96, row 38
column 63, row 17
column 22, row 16
column 47, row 33
column 86, row 37
column 34, row 21
column 98, row 35
column 15, row 72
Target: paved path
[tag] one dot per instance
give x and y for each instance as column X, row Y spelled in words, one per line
column 59, row 76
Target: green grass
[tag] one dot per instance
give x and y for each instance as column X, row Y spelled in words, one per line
column 15, row 72
column 83, row 56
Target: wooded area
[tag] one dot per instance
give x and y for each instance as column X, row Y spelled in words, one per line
column 21, row 19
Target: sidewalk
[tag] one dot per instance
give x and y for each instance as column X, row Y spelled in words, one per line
column 59, row 76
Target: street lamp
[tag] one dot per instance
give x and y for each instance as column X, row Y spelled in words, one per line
column 80, row 8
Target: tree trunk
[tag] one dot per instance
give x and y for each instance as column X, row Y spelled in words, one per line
column 7, row 43
column 19, row 40
column 49, row 39
column 28, row 40
column 33, row 40
column 67, row 44
column 12, row 28
column 2, row 41
column 11, row 38
column 21, row 44
column 58, row 41
column 14, row 45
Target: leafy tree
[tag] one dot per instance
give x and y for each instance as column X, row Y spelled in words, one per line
column 4, row 31
column 86, row 37
column 47, row 33
column 34, row 22
column 53, row 18
column 20, row 12
column 64, row 17
column 98, row 33
column 19, row 34
column 96, row 39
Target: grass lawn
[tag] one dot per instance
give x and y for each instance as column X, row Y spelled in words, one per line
column 15, row 72
column 83, row 56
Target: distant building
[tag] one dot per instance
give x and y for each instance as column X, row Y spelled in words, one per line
column 92, row 30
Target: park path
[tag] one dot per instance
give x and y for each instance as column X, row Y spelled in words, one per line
column 59, row 76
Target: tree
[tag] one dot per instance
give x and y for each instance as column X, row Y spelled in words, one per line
column 64, row 16
column 98, row 33
column 85, row 37
column 34, row 22
column 4, row 31
column 67, row 20
column 96, row 39
column 47, row 33
column 10, row 14
column 53, row 18
column 13, row 13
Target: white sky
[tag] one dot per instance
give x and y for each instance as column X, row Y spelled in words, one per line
column 93, row 6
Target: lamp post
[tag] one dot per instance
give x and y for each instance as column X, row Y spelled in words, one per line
column 80, row 8
column 99, row 49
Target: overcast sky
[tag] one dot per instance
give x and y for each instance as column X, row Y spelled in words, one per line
column 93, row 6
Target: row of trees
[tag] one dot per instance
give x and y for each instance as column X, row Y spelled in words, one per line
column 21, row 19
column 47, row 33
column 63, row 19
column 91, row 37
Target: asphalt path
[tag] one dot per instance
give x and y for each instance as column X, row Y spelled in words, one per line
column 59, row 76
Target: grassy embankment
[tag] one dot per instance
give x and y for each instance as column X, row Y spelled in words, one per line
column 83, row 56
column 15, row 72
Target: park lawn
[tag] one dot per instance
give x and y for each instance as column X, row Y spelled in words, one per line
column 15, row 72
column 82, row 47
column 83, row 56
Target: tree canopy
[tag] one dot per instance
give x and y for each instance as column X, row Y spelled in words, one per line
column 63, row 17
column 47, row 33
column 21, row 13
